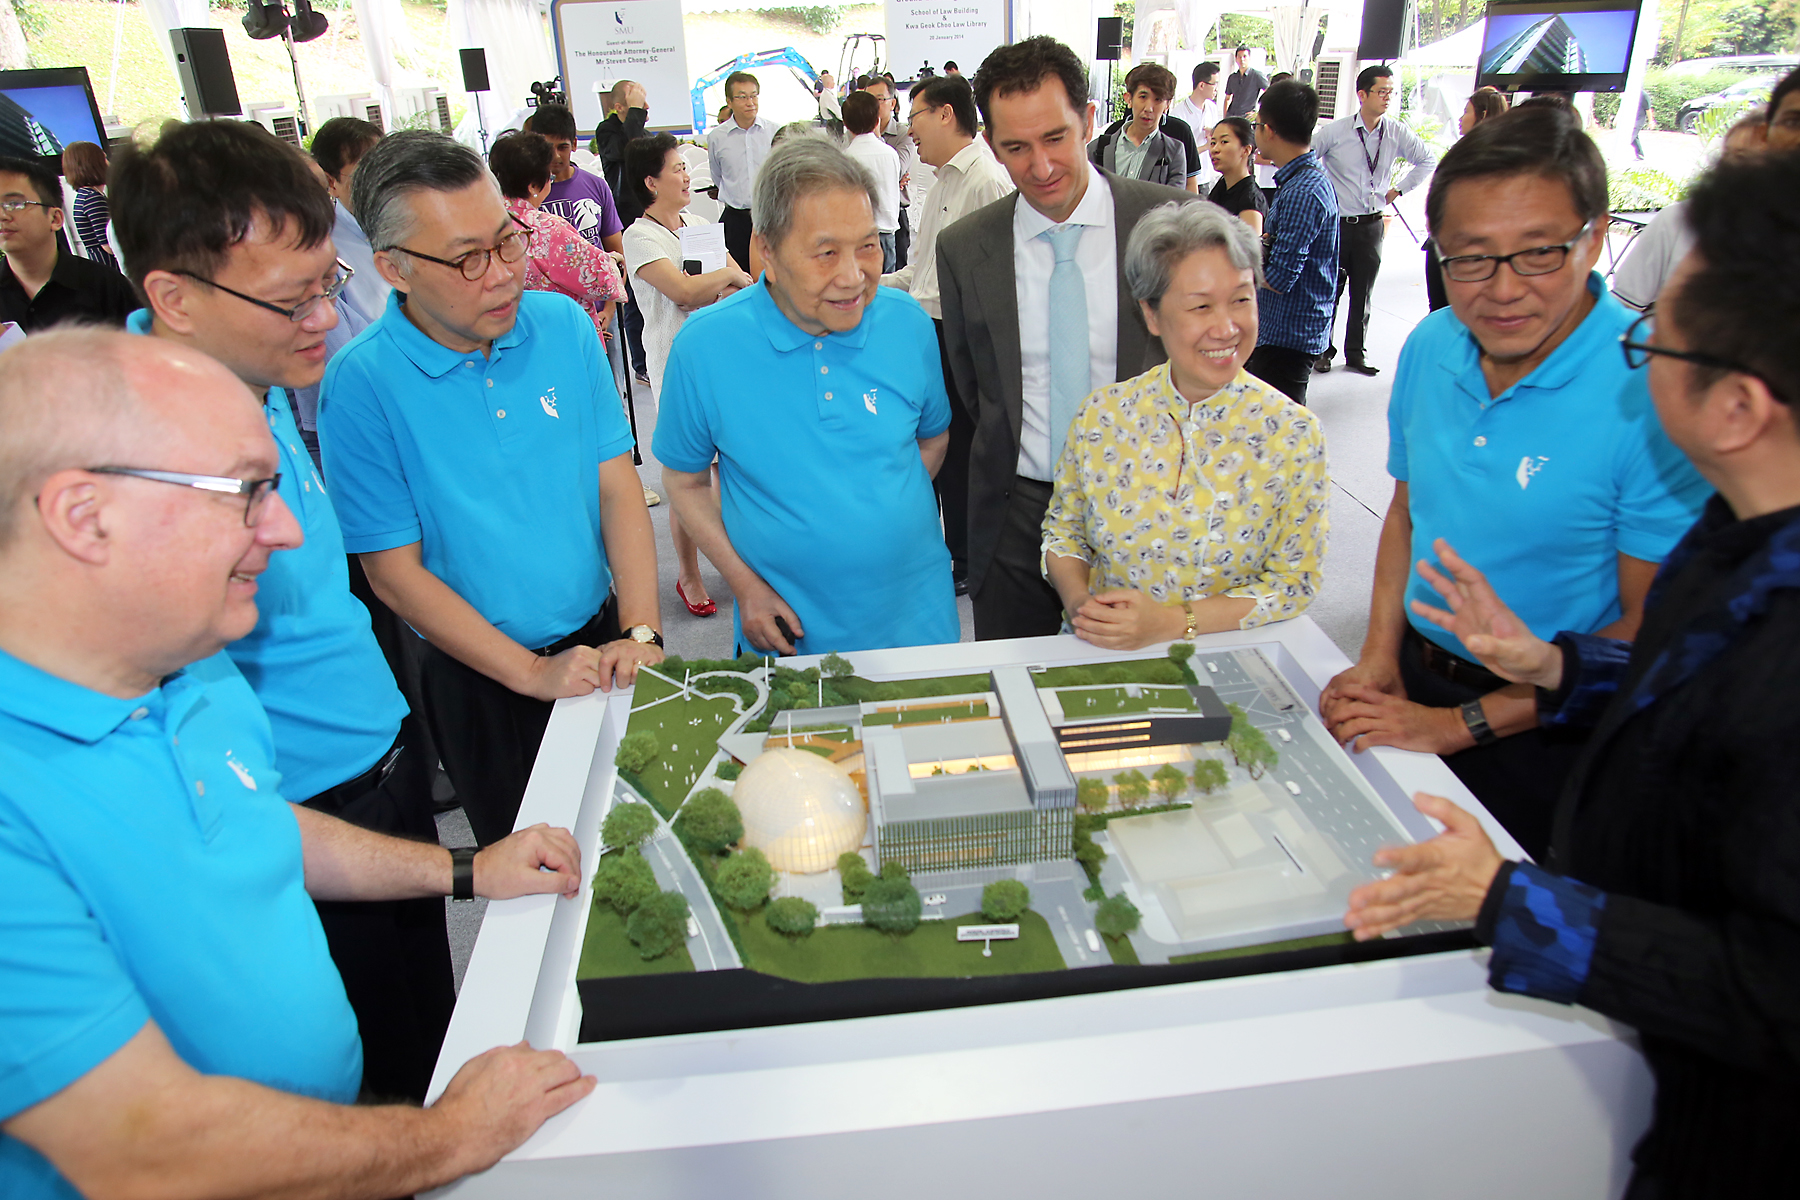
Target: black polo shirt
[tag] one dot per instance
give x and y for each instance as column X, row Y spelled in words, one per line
column 78, row 289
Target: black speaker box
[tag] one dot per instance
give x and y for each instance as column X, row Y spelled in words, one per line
column 1111, row 42
column 204, row 68
column 474, row 65
column 1384, row 21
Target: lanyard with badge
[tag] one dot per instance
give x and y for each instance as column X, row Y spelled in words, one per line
column 1380, row 137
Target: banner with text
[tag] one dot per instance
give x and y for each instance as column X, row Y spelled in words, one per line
column 599, row 42
column 921, row 32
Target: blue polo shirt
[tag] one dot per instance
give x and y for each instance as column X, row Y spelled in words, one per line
column 153, row 872
column 312, row 658
column 821, row 486
column 493, row 463
column 1545, row 485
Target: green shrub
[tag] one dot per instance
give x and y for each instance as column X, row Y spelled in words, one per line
column 892, row 906
column 792, row 916
column 624, row 881
column 628, row 824
column 709, row 821
column 1091, row 794
column 1093, row 893
column 636, row 751
column 1668, row 91
column 855, row 875
column 659, row 924
column 743, row 880
column 1116, row 916
column 728, row 770
column 1004, row 899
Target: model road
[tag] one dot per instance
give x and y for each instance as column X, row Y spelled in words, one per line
column 712, row 950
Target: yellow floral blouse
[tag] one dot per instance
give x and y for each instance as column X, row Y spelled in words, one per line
column 1223, row 498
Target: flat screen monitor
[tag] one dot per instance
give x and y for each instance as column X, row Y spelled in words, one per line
column 1558, row 45
column 42, row 111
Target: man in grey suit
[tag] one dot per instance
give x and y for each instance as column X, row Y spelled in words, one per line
column 1036, row 316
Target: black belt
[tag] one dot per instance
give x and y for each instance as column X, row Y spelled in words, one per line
column 1454, row 667
column 1357, row 220
column 587, row 635
column 333, row 799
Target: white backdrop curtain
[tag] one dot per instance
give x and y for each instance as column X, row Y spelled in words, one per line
column 1296, row 25
column 518, row 52
column 388, row 41
column 165, row 15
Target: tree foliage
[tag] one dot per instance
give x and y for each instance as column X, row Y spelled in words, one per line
column 1209, row 776
column 1116, row 916
column 1180, row 652
column 1133, row 787
column 709, row 821
column 659, row 924
column 1249, row 746
column 743, row 880
column 1170, row 781
column 1004, row 900
column 636, row 751
column 892, row 906
column 894, row 869
column 855, row 875
column 728, row 770
column 628, row 824
column 792, row 916
column 835, row 666
column 624, row 881
column 1091, row 794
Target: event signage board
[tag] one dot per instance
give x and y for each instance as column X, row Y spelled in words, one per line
column 599, row 42
column 934, row 32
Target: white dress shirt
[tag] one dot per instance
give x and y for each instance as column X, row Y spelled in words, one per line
column 1033, row 260
column 368, row 291
column 735, row 155
column 1347, row 147
column 1200, row 118
column 972, row 179
column 884, row 165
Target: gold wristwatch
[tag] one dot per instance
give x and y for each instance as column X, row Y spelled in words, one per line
column 1193, row 622
column 644, row 635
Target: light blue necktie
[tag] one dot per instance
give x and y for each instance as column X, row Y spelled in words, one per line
column 1068, row 336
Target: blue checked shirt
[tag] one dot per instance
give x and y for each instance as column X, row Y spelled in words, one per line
column 1300, row 255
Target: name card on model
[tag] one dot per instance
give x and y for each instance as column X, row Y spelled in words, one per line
column 984, row 933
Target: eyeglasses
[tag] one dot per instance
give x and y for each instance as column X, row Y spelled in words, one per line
column 255, row 491
column 474, row 264
column 1539, row 260
column 1636, row 345
column 300, row 311
column 15, row 206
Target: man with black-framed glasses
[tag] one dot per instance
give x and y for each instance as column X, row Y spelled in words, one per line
column 228, row 234
column 482, row 467
column 41, row 282
column 1516, row 426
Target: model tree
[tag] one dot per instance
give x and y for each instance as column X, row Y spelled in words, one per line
column 1134, row 789
column 1209, row 775
column 1004, row 899
column 1169, row 781
column 728, row 770
column 792, row 916
column 628, row 824
column 709, row 821
column 659, row 924
column 624, row 881
column 894, row 869
column 1116, row 916
column 835, row 666
column 1180, row 652
column 892, row 906
column 1091, row 794
column 743, row 880
column 855, row 874
column 636, row 750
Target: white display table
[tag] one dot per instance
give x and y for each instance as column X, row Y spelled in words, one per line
column 1400, row 1078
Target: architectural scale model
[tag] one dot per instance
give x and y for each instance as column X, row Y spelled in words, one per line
column 817, row 825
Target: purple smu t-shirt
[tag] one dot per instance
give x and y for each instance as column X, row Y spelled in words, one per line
column 585, row 202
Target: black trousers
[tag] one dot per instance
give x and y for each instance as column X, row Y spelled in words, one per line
column 902, row 239
column 952, row 482
column 737, row 234
column 1359, row 261
column 1518, row 778
column 393, row 955
column 1287, row 371
column 488, row 735
column 1435, row 293
column 1014, row 600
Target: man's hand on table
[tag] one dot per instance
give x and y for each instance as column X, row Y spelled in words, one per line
column 1363, row 716
column 1371, row 676
column 574, row 672
column 1444, row 879
column 501, row 1096
column 535, row 861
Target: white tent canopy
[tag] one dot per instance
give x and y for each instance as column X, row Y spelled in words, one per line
column 1296, row 25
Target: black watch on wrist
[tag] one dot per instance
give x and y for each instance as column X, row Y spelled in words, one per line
column 1478, row 725
column 462, row 873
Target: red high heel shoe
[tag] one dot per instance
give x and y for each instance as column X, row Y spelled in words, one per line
column 699, row 610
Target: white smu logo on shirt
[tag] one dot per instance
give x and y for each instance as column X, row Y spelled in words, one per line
column 238, row 769
column 1528, row 466
column 869, row 399
column 549, row 404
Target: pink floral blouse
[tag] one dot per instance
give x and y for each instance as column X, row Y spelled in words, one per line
column 561, row 260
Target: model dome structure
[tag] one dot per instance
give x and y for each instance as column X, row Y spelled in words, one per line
column 800, row 810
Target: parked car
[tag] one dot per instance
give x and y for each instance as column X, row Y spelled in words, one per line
column 1751, row 91
column 935, row 899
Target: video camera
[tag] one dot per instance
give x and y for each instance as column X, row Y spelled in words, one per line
column 548, row 92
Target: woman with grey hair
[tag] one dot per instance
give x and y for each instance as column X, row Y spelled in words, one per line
column 1189, row 499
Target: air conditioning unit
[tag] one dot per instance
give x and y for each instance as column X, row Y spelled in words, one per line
column 410, row 102
column 354, row 104
column 277, row 117
column 1336, row 83
column 373, row 113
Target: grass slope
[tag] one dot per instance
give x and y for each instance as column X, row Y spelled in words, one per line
column 607, row 953
column 672, row 772
column 931, row 951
